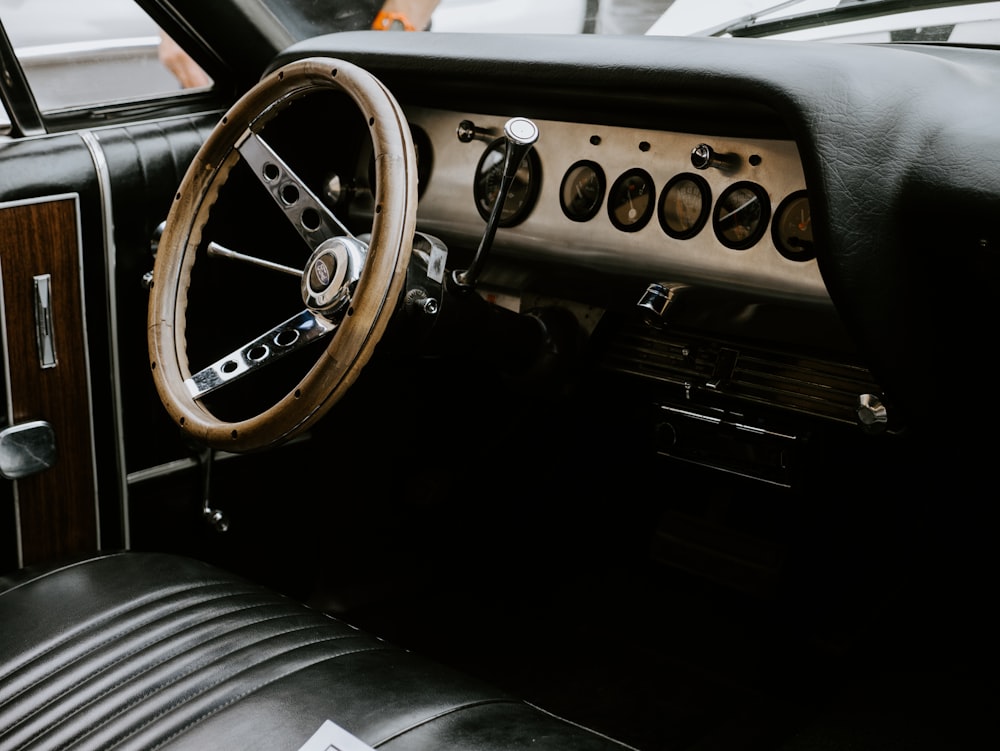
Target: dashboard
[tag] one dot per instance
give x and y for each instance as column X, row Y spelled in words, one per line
column 884, row 154
column 722, row 211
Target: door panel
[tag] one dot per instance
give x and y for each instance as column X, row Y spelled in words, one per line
column 88, row 202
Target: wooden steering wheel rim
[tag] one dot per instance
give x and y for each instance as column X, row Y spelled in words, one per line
column 378, row 289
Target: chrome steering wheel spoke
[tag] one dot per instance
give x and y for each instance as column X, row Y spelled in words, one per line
column 310, row 216
column 290, row 336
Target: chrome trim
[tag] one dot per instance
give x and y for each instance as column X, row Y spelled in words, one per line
column 314, row 222
column 93, row 143
column 27, row 449
column 161, row 470
column 169, row 469
column 724, row 419
column 45, row 334
column 73, row 49
column 217, row 251
column 285, row 338
column 9, row 410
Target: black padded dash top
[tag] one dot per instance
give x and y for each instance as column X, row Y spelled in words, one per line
column 147, row 651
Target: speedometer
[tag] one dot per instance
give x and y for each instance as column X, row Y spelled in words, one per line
column 523, row 191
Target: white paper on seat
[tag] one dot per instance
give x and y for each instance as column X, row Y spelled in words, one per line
column 332, row 737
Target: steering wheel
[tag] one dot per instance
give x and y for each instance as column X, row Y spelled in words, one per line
column 349, row 286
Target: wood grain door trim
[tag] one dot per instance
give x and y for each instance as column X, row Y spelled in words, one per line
column 56, row 510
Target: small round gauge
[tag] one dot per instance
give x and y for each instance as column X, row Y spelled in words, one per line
column 684, row 206
column 582, row 191
column 792, row 228
column 523, row 191
column 425, row 157
column 741, row 215
column 631, row 200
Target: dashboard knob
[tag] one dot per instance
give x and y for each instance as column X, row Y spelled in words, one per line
column 872, row 414
column 704, row 156
column 468, row 132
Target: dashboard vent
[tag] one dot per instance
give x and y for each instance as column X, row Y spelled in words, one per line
column 744, row 372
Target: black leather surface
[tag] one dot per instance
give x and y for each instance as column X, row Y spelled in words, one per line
column 137, row 651
column 146, row 162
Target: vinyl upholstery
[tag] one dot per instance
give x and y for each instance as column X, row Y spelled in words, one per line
column 150, row 651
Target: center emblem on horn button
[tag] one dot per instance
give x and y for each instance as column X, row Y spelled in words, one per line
column 321, row 272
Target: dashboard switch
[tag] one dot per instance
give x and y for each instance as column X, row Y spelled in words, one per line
column 656, row 299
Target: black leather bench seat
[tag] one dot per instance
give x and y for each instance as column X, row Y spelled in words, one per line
column 148, row 651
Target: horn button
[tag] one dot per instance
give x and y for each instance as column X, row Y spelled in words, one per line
column 331, row 273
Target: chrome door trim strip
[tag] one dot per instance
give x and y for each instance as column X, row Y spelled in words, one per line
column 103, row 173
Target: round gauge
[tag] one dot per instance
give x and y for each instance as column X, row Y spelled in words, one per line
column 631, row 200
column 582, row 191
column 792, row 228
column 684, row 206
column 523, row 191
column 425, row 157
column 741, row 215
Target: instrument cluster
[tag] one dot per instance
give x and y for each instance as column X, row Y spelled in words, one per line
column 726, row 212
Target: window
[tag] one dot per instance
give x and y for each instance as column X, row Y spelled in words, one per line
column 78, row 54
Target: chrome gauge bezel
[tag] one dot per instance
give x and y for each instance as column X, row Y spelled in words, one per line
column 704, row 208
column 786, row 214
column 756, row 216
column 617, row 197
column 523, row 191
column 580, row 207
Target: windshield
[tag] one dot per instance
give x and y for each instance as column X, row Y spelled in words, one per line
column 971, row 22
column 957, row 22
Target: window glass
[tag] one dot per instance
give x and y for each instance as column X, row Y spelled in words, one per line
column 82, row 53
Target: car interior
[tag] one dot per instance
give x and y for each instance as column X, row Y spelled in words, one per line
column 501, row 391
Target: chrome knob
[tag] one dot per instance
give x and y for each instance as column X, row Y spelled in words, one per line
column 872, row 415
column 656, row 299
column 418, row 301
column 467, row 131
column 704, row 156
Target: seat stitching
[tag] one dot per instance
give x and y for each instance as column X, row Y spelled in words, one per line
column 117, row 636
column 215, row 710
column 190, row 696
column 99, row 622
column 173, row 680
column 196, row 668
column 133, row 676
